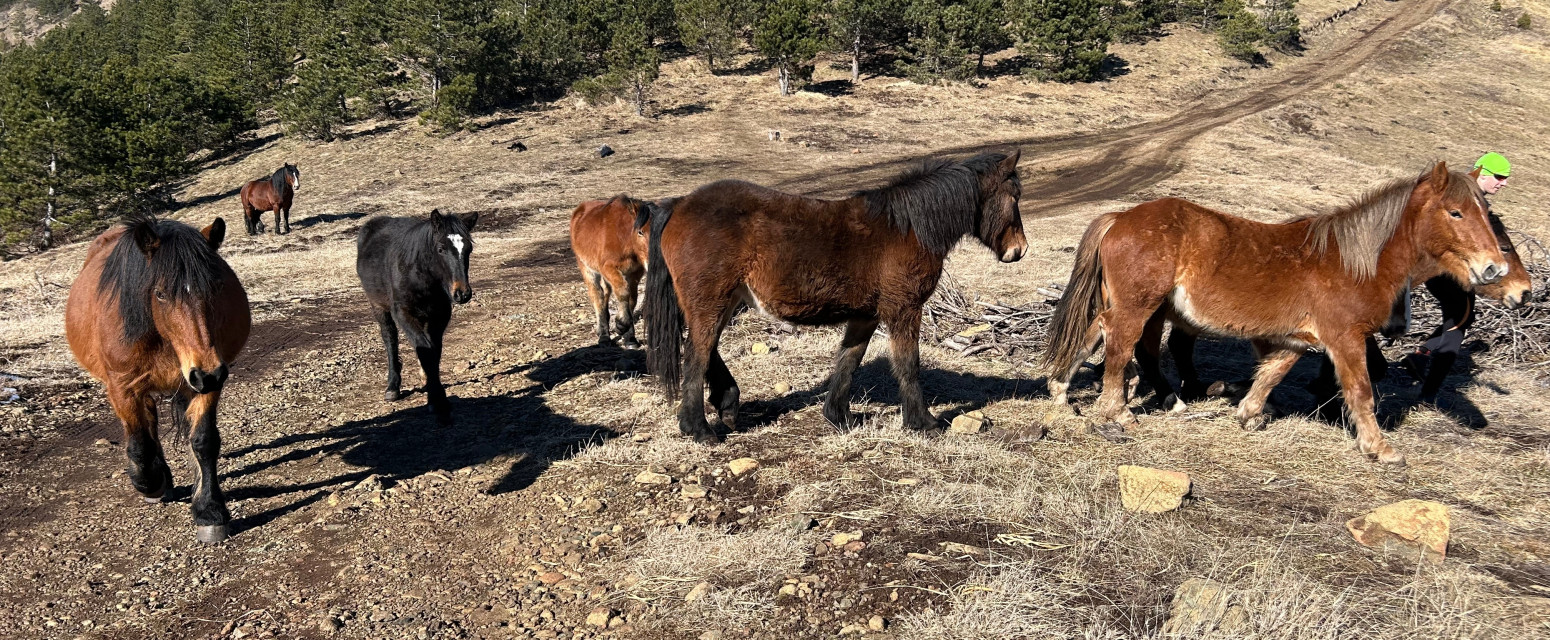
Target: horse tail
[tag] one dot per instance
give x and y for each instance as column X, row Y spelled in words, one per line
column 1082, row 302
column 664, row 318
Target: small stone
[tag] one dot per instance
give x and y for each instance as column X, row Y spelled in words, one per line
column 370, row 484
column 590, row 505
column 1201, row 606
column 699, row 591
column 694, row 491
column 782, row 388
column 1150, row 490
column 605, row 151
column 640, row 397
column 877, row 623
column 641, row 437
column 711, row 635
column 652, row 477
column 599, row 617
column 551, row 578
column 102, row 442
column 965, row 549
column 852, row 629
column 1418, row 526
column 788, row 590
column 760, row 349
column 855, row 546
column 741, row 466
column 842, row 539
column 971, row 422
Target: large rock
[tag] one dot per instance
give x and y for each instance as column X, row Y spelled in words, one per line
column 1417, row 526
column 1201, row 606
column 652, row 477
column 741, row 466
column 971, row 422
column 1151, row 490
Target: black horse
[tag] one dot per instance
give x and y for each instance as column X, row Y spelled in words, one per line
column 413, row 269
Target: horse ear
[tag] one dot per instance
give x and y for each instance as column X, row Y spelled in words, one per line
column 436, row 218
column 214, row 233
column 469, row 219
column 1440, row 174
column 1009, row 165
column 146, row 238
column 1475, row 173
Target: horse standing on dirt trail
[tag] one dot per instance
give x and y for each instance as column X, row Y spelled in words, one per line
column 1513, row 291
column 272, row 193
column 156, row 311
column 1327, row 280
column 413, row 270
column 874, row 257
column 611, row 254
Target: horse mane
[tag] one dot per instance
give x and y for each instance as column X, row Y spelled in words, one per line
column 278, row 183
column 183, row 266
column 1362, row 227
column 939, row 200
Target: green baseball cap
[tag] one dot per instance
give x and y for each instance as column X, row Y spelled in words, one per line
column 1495, row 164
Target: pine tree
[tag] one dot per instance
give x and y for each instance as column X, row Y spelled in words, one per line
column 709, row 28
column 859, row 25
column 789, row 34
column 936, row 46
column 1064, row 40
column 1240, row 33
column 1283, row 31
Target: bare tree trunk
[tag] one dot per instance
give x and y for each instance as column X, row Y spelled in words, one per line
column 53, row 172
column 855, row 59
column 785, row 78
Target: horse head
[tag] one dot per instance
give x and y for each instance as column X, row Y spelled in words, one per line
column 177, row 278
column 454, row 244
column 1517, row 286
column 293, row 176
column 1000, row 223
column 1451, row 226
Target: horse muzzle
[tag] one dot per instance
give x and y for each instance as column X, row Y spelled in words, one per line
column 462, row 293
column 1491, row 274
column 202, row 381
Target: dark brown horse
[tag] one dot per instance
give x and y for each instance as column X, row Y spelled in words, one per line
column 273, row 193
column 874, row 257
column 1326, row 281
column 156, row 311
column 611, row 254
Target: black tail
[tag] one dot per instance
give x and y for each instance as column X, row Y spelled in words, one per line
column 664, row 318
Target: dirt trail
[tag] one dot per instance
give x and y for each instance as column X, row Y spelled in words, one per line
column 1123, row 161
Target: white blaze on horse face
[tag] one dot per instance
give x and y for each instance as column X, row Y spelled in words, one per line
column 457, row 242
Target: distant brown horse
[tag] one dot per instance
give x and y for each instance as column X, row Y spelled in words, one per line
column 874, row 257
column 156, row 311
column 273, row 193
column 612, row 257
column 1326, row 281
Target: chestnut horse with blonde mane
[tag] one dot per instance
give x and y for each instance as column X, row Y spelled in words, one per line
column 157, row 312
column 611, row 254
column 872, row 258
column 1323, row 281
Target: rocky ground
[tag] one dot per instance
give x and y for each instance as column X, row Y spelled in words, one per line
column 563, row 504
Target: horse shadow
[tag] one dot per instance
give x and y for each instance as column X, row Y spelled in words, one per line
column 517, row 426
column 325, row 218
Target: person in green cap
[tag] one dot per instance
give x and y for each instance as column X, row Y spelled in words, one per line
column 1432, row 361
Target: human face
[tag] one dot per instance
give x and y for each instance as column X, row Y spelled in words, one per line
column 1491, row 183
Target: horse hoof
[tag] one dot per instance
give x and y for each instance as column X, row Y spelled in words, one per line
column 630, row 344
column 1217, row 389
column 1255, row 423
column 1176, row 406
column 708, row 437
column 392, row 395
column 1393, row 458
column 212, row 533
column 150, row 500
column 1112, row 431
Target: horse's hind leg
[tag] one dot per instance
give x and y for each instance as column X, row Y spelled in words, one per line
column 625, row 289
column 1181, row 345
column 249, row 218
column 209, row 504
column 1150, row 358
column 704, row 334
column 1123, row 329
column 904, row 340
column 836, row 409
column 148, row 471
column 1274, row 363
column 1060, row 381
column 597, row 293
column 724, row 394
column 395, row 366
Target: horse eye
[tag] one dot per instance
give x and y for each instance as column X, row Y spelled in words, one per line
column 1455, row 213
column 161, row 295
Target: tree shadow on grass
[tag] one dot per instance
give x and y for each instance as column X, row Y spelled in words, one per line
column 325, row 218
column 517, row 426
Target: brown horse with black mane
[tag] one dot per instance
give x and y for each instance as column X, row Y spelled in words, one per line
column 1327, row 281
column 611, row 254
column 868, row 259
column 156, row 312
column 273, row 193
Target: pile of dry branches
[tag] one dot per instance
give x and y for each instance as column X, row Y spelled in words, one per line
column 977, row 327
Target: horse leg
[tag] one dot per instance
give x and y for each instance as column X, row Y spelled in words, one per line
column 1150, row 359
column 598, row 294
column 1060, row 382
column 904, row 339
column 389, row 330
column 1274, row 363
column 1352, row 371
column 624, row 293
column 704, row 334
column 249, row 218
column 148, row 471
column 1123, row 328
column 209, row 504
column 724, row 394
column 287, row 219
column 426, row 339
column 836, row 409
column 1443, row 357
column 1181, row 345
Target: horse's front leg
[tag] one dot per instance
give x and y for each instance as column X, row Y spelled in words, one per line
column 1274, row 363
column 211, row 518
column 904, row 340
column 852, row 349
column 1348, row 355
column 148, row 471
column 426, row 338
column 1181, row 345
column 287, row 218
column 1149, row 356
